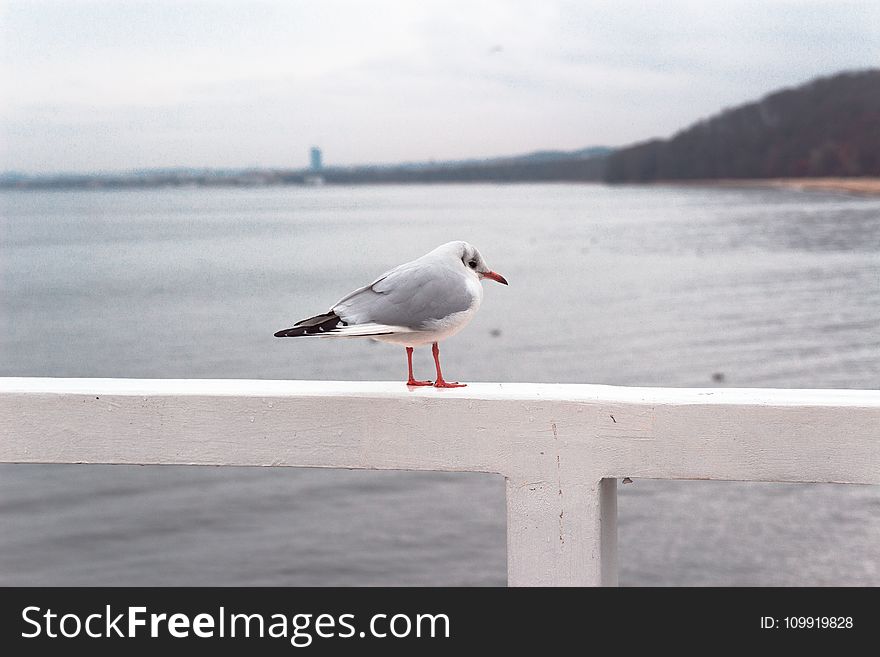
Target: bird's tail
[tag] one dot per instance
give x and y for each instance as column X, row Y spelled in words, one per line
column 311, row 326
column 330, row 325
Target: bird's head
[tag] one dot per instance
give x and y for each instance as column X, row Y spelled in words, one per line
column 473, row 261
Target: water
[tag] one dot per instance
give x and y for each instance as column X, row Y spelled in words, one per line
column 627, row 286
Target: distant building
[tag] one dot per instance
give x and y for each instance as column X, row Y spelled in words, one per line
column 314, row 176
column 315, row 159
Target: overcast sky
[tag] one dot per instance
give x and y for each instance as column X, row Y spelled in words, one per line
column 102, row 86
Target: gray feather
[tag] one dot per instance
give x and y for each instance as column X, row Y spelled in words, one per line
column 411, row 295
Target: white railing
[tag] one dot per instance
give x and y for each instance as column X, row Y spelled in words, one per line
column 560, row 447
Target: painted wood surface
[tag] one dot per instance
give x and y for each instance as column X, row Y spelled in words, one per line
column 560, row 446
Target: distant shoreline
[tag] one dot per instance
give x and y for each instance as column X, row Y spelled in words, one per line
column 863, row 186
column 856, row 186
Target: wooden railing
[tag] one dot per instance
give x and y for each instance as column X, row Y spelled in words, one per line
column 560, row 447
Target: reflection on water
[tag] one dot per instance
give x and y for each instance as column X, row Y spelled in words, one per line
column 626, row 285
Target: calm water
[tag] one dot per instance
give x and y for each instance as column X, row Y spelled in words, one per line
column 628, row 286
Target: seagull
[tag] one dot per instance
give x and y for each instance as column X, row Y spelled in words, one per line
column 427, row 300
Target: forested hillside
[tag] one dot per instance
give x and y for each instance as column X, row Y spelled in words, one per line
column 828, row 127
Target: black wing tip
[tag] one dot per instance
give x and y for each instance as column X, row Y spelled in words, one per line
column 311, row 326
column 290, row 333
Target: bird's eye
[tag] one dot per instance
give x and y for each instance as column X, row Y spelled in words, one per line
column 472, row 264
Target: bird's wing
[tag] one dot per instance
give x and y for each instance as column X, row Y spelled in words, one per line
column 410, row 296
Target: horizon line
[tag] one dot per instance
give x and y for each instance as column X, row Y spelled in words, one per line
column 11, row 173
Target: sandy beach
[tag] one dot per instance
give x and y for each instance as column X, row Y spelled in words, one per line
column 860, row 186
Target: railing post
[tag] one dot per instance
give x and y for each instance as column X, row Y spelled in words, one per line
column 562, row 535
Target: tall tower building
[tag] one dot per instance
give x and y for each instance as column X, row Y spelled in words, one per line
column 315, row 159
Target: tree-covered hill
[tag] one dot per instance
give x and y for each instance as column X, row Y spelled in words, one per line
column 828, row 127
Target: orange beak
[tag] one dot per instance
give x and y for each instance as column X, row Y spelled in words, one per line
column 495, row 276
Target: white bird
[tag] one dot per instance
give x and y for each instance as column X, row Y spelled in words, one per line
column 426, row 300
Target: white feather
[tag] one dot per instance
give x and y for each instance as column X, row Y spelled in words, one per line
column 360, row 330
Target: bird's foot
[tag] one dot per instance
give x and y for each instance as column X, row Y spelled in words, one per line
column 449, row 384
column 413, row 382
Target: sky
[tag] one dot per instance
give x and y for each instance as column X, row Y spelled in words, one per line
column 116, row 85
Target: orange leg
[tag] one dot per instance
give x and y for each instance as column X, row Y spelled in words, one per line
column 440, row 382
column 412, row 381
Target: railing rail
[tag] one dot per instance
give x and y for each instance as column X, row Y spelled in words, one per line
column 561, row 447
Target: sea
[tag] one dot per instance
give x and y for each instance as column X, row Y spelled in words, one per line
column 622, row 285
